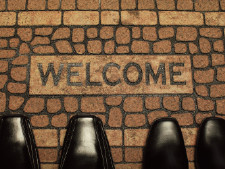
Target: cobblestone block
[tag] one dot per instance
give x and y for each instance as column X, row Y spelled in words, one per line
column 59, row 120
column 68, row 4
column 16, row 87
column 138, row 18
column 185, row 5
column 217, row 90
column 171, row 103
column 7, row 18
column 81, row 17
column 70, row 104
column 133, row 104
column 46, row 137
column 7, row 53
column 21, row 60
column 39, row 121
column 135, row 137
column 106, row 32
column 53, row 4
column 211, row 32
column 215, row 18
column 34, row 105
column 140, row 47
column 117, row 154
column 92, row 104
column 114, row 137
column 39, row 18
column 48, row 155
column 110, row 4
column 123, row 35
column 180, row 18
column 88, row 4
column 163, row 46
column 63, row 46
column 166, row 32
column 15, row 102
column 200, row 61
column 53, row 105
column 135, row 120
column 36, row 5
column 24, row 49
column 149, row 33
column 110, row 17
column 133, row 154
column 188, row 103
column 166, row 4
column 146, row 4
column 128, row 4
column 205, row 45
column 206, row 5
column 205, row 105
column 19, row 73
column 109, row 47
column 221, row 74
column 186, row 34
column 202, row 76
column 180, row 48
column 218, row 59
column 122, row 49
column 61, row 33
column 25, row 34
column 115, row 117
column 7, row 32
column 218, row 46
column 13, row 43
column 152, row 103
column 202, row 90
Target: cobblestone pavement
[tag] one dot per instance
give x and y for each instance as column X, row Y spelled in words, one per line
column 164, row 58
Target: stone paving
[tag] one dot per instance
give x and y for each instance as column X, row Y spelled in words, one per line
column 161, row 58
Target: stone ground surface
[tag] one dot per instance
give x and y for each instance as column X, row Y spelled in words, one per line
column 47, row 28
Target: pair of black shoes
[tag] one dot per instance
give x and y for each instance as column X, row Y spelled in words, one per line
column 165, row 145
column 86, row 145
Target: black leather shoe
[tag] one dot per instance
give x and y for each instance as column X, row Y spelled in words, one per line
column 210, row 147
column 86, row 145
column 17, row 145
column 165, row 146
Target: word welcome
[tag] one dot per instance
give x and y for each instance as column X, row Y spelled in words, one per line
column 120, row 74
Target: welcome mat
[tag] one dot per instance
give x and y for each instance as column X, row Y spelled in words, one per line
column 128, row 62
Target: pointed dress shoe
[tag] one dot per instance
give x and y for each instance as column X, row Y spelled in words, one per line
column 86, row 145
column 17, row 145
column 210, row 147
column 165, row 146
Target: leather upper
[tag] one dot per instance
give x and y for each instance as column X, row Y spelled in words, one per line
column 86, row 145
column 17, row 145
column 210, row 147
column 165, row 146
